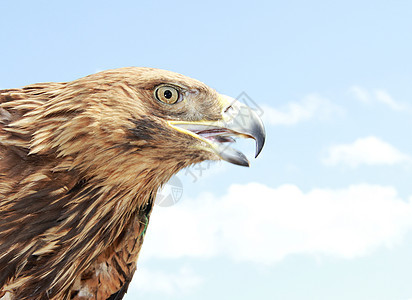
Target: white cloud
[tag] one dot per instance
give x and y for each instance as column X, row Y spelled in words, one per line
column 368, row 151
column 360, row 94
column 261, row 224
column 311, row 107
column 377, row 96
column 383, row 97
column 151, row 281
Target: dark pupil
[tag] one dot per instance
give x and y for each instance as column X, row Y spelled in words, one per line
column 168, row 94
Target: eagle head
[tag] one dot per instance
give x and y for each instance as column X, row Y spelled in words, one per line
column 124, row 120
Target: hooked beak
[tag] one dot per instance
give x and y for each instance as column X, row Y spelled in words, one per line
column 238, row 120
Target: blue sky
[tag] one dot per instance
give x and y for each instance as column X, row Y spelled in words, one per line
column 326, row 211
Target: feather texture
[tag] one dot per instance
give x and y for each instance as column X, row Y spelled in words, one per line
column 80, row 165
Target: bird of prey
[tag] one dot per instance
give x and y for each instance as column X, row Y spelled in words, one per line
column 81, row 163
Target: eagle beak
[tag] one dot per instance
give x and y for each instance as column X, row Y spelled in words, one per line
column 238, row 120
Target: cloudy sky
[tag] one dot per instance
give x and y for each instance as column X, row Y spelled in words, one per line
column 326, row 211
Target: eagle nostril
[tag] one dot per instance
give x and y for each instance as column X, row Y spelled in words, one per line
column 228, row 108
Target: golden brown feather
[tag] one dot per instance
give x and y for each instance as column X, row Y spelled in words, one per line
column 80, row 165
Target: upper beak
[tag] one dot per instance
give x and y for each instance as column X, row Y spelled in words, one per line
column 237, row 119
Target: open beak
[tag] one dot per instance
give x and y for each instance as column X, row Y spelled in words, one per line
column 238, row 120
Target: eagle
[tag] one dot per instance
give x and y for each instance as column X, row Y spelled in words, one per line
column 81, row 163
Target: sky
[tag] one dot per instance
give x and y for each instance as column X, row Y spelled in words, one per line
column 325, row 212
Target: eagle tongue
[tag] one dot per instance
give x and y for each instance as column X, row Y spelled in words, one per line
column 224, row 139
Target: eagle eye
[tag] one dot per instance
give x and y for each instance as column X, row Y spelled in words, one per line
column 168, row 94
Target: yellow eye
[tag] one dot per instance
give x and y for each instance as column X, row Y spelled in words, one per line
column 167, row 94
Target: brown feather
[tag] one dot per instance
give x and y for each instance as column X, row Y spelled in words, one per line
column 80, row 165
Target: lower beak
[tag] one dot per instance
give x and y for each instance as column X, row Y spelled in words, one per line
column 238, row 120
